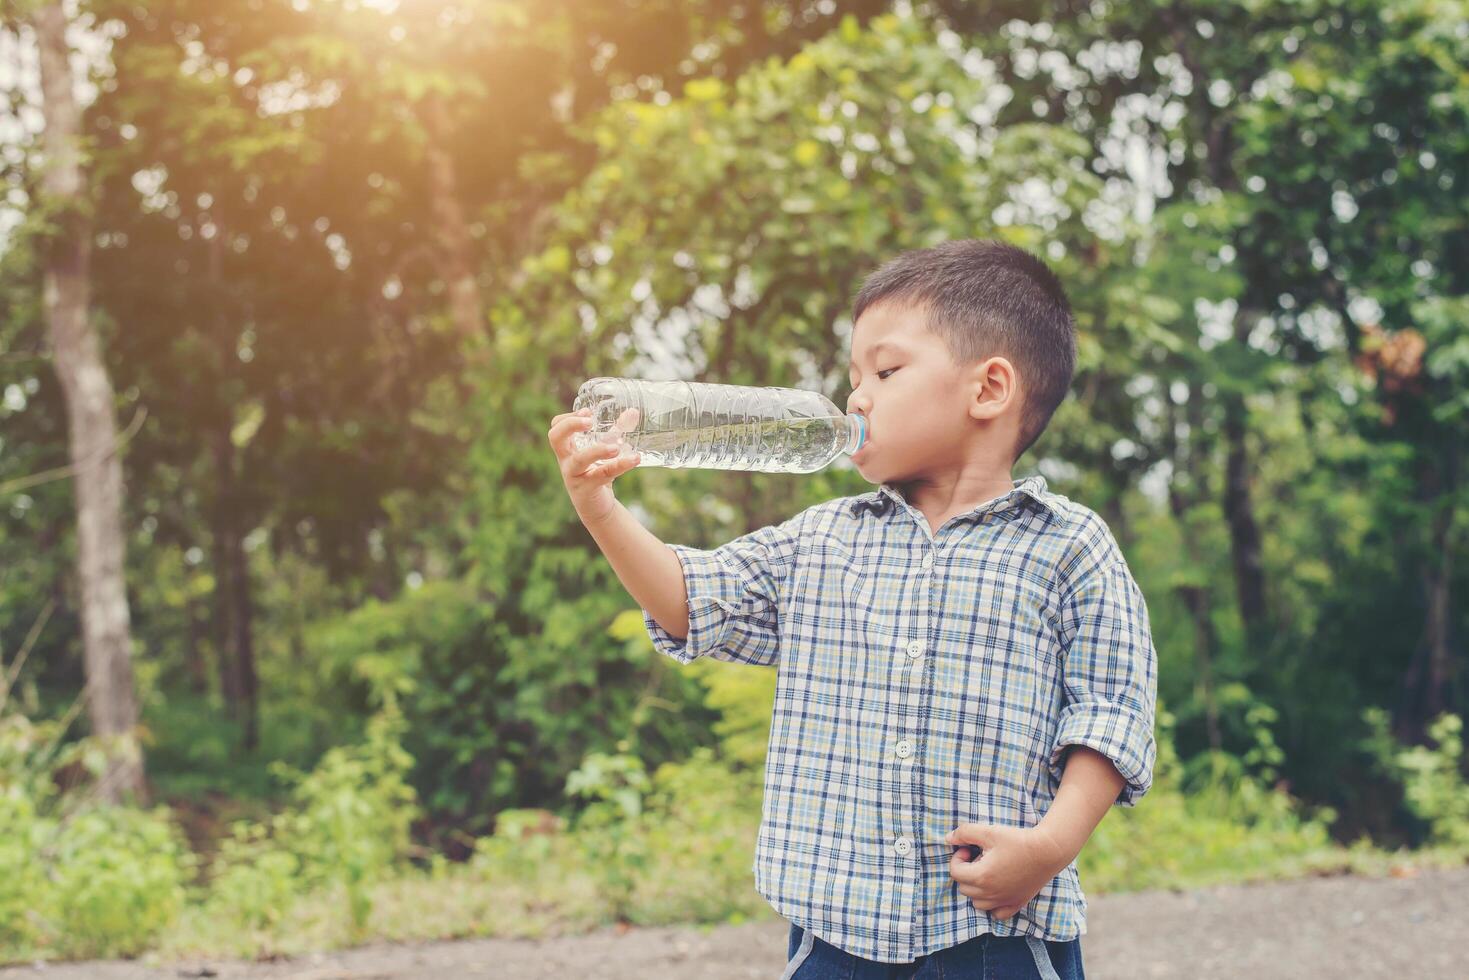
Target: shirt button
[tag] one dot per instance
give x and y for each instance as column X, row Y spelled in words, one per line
column 904, row 749
column 902, row 846
column 915, row 649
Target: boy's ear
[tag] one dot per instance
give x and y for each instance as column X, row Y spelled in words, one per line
column 993, row 387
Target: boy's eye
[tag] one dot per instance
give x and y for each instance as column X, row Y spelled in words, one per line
column 881, row 373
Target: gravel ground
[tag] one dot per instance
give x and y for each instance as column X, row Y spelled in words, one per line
column 1347, row 926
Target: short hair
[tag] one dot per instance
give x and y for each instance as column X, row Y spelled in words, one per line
column 987, row 298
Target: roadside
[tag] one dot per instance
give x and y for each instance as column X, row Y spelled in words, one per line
column 1349, row 925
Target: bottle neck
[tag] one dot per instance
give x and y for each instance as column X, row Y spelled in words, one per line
column 856, row 433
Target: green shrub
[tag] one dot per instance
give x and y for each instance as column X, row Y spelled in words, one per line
column 612, row 828
column 704, row 818
column 22, row 878
column 504, row 711
column 117, row 879
column 1432, row 778
column 1209, row 820
column 77, row 878
column 254, row 879
column 347, row 825
column 516, row 851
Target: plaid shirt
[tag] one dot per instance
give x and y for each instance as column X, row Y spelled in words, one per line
column 924, row 681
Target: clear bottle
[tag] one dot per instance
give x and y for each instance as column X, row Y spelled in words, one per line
column 723, row 427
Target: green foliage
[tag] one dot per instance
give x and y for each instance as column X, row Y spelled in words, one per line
column 1434, row 785
column 489, row 729
column 1260, row 757
column 744, row 699
column 117, row 880
column 673, row 846
column 254, row 880
column 346, row 826
column 1207, row 821
column 519, row 848
column 611, row 825
column 1447, row 361
column 707, row 814
column 194, row 753
column 77, row 878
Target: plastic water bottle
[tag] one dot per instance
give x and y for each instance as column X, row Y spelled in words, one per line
column 722, row 427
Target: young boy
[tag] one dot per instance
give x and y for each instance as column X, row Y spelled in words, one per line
column 965, row 671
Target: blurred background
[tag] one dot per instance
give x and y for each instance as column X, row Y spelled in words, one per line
column 301, row 642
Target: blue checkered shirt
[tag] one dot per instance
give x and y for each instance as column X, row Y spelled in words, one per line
column 923, row 681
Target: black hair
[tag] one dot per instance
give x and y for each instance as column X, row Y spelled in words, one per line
column 987, row 298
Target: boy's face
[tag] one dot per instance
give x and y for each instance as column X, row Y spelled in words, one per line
column 920, row 406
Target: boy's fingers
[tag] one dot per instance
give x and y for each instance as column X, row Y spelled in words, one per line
column 595, row 451
column 561, row 433
column 582, row 460
column 620, row 465
column 612, row 469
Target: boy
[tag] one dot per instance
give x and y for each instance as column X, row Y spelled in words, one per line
column 966, row 675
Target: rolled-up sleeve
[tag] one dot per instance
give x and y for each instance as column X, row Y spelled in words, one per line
column 734, row 594
column 1110, row 676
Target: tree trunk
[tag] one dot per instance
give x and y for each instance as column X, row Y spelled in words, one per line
column 234, row 636
column 1426, row 685
column 92, row 425
column 1195, row 597
column 193, row 651
column 1216, row 127
column 1239, row 510
column 229, row 675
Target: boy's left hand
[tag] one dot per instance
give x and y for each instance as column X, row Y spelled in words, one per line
column 1015, row 864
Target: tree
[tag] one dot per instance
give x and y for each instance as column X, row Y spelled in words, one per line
column 93, row 436
column 333, row 189
column 1356, row 150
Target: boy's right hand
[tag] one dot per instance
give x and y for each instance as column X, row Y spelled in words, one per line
column 588, row 479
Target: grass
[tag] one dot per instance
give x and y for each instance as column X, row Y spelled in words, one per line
column 554, row 885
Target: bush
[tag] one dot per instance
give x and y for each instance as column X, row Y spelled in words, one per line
column 1433, row 785
column 117, row 880
column 612, row 825
column 78, row 878
column 348, row 826
column 1205, row 821
column 496, row 716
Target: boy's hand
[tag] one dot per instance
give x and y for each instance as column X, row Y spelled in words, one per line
column 1015, row 863
column 587, row 473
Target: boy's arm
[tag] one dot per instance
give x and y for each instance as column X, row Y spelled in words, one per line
column 722, row 603
column 1089, row 786
column 648, row 568
column 1109, row 673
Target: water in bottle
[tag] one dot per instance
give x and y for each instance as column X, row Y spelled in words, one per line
column 722, row 427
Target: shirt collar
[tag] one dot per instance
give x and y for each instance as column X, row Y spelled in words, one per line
column 1032, row 487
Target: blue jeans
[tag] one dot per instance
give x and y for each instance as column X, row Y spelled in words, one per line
column 985, row 957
